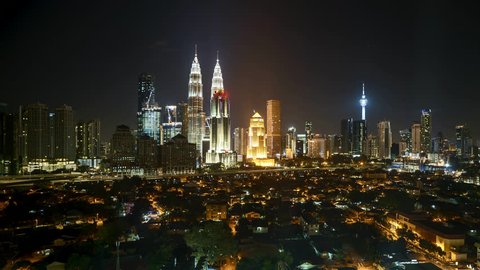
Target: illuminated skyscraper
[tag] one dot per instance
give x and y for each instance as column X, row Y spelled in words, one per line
column 195, row 113
column 220, row 147
column 416, row 140
column 64, row 134
column 426, row 131
column 290, row 142
column 463, row 141
column 384, row 139
column 88, row 143
column 148, row 112
column 149, row 122
column 145, row 90
column 171, row 123
column 346, row 129
column 240, row 141
column 359, row 137
column 308, row 135
column 372, row 146
column 405, row 142
column 256, row 137
column 317, row 146
column 36, row 131
column 257, row 148
column 363, row 102
column 274, row 127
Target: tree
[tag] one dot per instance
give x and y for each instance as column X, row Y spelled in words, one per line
column 112, row 231
column 431, row 247
column 161, row 257
column 213, row 241
column 266, row 261
column 78, row 262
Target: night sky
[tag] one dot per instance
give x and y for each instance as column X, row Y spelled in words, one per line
column 311, row 56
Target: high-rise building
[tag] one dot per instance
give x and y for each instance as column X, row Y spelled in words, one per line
column 182, row 116
column 257, row 147
column 416, row 138
column 463, row 141
column 147, row 153
column 8, row 142
column 274, row 127
column 333, row 145
column 150, row 122
column 256, row 138
column 405, row 142
column 88, row 143
column 145, row 91
column 426, row 131
column 302, row 142
column 308, row 134
column 220, row 145
column 363, row 102
column 346, row 130
column 240, row 141
column 359, row 137
column 171, row 122
column 384, row 139
column 148, row 111
column 65, row 145
column 372, row 146
column 195, row 113
column 317, row 147
column 438, row 146
column 35, row 132
column 290, row 143
column 122, row 149
column 178, row 156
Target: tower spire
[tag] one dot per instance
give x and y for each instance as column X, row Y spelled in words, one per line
column 363, row 101
column 217, row 80
column 195, row 50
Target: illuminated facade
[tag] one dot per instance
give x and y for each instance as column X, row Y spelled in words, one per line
column 363, row 102
column 274, row 127
column 384, row 139
column 257, row 150
column 405, row 142
column 317, row 147
column 240, row 141
column 195, row 113
column 88, row 143
column 426, row 131
column 148, row 111
column 171, row 123
column 463, row 141
column 359, row 137
column 149, row 122
column 372, row 146
column 220, row 147
column 416, row 141
column 290, row 143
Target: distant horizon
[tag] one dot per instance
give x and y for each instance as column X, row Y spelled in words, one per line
column 311, row 56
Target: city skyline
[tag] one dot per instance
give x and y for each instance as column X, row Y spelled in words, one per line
column 407, row 62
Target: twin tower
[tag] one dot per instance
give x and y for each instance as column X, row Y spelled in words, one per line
column 219, row 121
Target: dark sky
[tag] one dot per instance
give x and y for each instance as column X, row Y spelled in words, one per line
column 312, row 56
